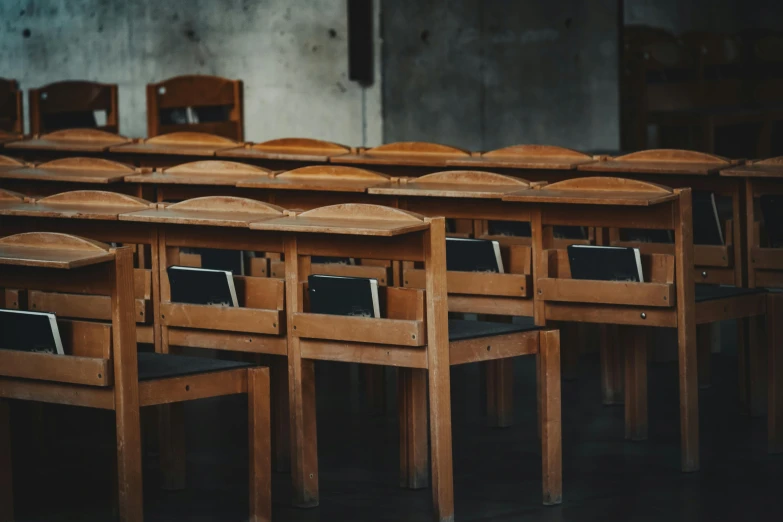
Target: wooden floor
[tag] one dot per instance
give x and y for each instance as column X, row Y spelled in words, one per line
column 497, row 472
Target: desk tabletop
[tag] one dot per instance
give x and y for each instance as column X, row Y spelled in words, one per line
column 348, row 219
column 293, row 149
column 8, row 163
column 73, row 140
column 406, row 153
column 597, row 191
column 77, row 204
column 454, row 184
column 74, row 170
column 223, row 211
column 205, row 172
column 52, row 250
column 662, row 161
column 7, row 137
column 526, row 157
column 179, row 143
column 322, row 178
column 768, row 168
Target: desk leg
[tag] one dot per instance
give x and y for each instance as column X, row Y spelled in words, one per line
column 6, row 480
column 171, row 435
column 612, row 377
column 304, row 441
column 259, row 445
column 704, row 347
column 756, row 366
column 551, row 423
column 414, row 444
column 569, row 350
column 775, row 380
column 634, row 339
column 281, row 421
column 500, row 392
column 374, row 387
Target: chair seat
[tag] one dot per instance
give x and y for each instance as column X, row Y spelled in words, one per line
column 154, row 366
column 712, row 292
column 461, row 330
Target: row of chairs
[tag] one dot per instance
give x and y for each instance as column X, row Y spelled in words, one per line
column 195, row 102
column 415, row 334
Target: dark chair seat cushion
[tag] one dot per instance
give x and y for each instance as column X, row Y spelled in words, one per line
column 154, row 366
column 461, row 330
column 711, row 292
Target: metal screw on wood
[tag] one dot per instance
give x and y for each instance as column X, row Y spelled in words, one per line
column 704, row 274
column 643, row 315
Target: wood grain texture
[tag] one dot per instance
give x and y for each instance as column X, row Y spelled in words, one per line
column 634, row 341
column 438, row 369
column 663, row 161
column 52, row 250
column 178, row 143
column 293, row 149
column 260, row 444
column 72, row 140
column 328, row 178
column 550, row 417
column 204, row 172
column 527, row 157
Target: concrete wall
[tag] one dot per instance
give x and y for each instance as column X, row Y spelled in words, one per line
column 292, row 57
column 484, row 74
column 680, row 16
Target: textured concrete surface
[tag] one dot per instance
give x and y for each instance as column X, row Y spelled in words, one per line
column 292, row 56
column 487, row 74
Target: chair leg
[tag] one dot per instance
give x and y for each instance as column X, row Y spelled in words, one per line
column 704, row 347
column 259, row 445
column 612, row 376
column 551, row 428
column 634, row 339
column 129, row 484
column 281, row 424
column 440, row 437
column 6, row 480
column 171, row 430
column 775, row 379
column 500, row 392
column 304, row 438
column 689, row 399
column 414, row 445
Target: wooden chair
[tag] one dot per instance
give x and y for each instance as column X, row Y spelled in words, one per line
column 71, row 173
column 11, row 109
column 415, row 333
column 196, row 103
column 72, row 105
column 101, row 368
column 171, row 149
column 760, row 178
column 667, row 298
column 713, row 264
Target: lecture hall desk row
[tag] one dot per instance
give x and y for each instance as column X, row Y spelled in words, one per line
column 416, row 334
column 313, row 186
column 661, row 302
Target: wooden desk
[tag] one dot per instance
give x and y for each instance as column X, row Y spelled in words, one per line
column 7, row 163
column 287, row 153
column 667, row 298
column 413, row 335
column 8, row 137
column 65, row 174
column 66, row 142
column 92, row 214
column 101, row 369
column 174, row 148
column 525, row 157
column 405, row 158
column 198, row 178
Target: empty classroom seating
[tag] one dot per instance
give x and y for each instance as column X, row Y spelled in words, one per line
column 196, row 103
column 72, row 105
column 100, row 367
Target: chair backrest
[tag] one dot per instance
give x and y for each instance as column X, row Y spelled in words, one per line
column 196, row 103
column 11, row 115
column 73, row 105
